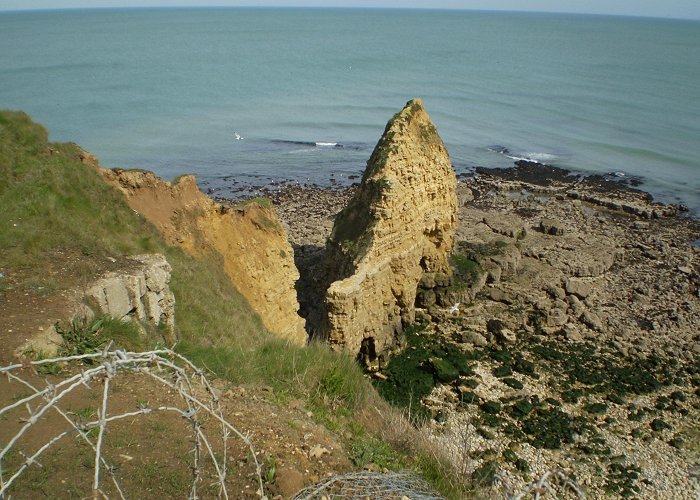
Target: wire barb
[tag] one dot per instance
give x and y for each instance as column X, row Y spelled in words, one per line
column 163, row 366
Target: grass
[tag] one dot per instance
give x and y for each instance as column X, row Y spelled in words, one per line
column 314, row 373
column 352, row 227
column 467, row 271
column 58, row 213
column 88, row 337
column 257, row 200
column 52, row 202
column 479, row 251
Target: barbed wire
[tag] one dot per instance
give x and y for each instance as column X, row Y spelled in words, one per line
column 374, row 485
column 165, row 367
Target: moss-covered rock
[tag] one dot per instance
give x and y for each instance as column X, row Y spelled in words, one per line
column 468, row 397
column 485, row 433
column 485, row 475
column 677, row 442
column 471, row 383
column 444, row 371
column 521, row 408
column 549, row 428
column 502, row 371
column 491, row 407
column 658, row 425
column 596, row 408
column 514, row 383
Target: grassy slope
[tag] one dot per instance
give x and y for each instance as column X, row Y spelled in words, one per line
column 56, row 209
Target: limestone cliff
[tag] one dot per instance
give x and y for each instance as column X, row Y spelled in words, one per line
column 256, row 254
column 398, row 227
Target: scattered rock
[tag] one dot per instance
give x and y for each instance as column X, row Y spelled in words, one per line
column 473, row 337
column 557, row 317
column 318, row 451
column 498, row 295
column 644, row 308
column 592, row 320
column 552, row 226
column 556, row 292
column 578, row 288
column 289, row 481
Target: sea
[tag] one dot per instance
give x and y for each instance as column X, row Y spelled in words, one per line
column 250, row 97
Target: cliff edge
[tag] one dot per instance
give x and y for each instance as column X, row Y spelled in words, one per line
column 256, row 254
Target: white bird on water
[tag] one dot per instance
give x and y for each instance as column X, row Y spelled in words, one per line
column 455, row 308
column 238, row 136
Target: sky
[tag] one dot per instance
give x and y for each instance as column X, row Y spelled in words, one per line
column 683, row 9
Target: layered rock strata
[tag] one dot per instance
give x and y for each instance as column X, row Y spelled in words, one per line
column 397, row 228
column 256, row 254
column 141, row 293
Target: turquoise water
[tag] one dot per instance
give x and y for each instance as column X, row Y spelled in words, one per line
column 168, row 89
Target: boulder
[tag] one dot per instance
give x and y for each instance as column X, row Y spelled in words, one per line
column 592, row 321
column 289, row 481
column 552, row 226
column 140, row 292
column 557, row 317
column 578, row 288
column 398, row 226
column 556, row 292
column 499, row 295
column 473, row 337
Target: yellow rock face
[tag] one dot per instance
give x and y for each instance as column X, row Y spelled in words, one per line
column 399, row 225
column 256, row 254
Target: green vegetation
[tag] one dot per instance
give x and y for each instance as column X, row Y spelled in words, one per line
column 467, row 271
column 262, row 220
column 60, row 216
column 370, row 450
column 351, row 231
column 85, row 338
column 478, row 251
column 55, row 207
column 257, row 200
column 412, row 374
column 467, row 261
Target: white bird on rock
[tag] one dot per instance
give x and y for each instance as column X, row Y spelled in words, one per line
column 455, row 308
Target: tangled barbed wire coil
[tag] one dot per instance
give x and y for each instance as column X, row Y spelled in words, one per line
column 197, row 399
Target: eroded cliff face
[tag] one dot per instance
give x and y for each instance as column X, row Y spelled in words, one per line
column 397, row 229
column 256, row 254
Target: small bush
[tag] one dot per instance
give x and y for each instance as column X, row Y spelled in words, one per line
column 85, row 338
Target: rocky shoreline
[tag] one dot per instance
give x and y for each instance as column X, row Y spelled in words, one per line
column 579, row 329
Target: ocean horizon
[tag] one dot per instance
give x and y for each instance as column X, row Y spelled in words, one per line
column 245, row 97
